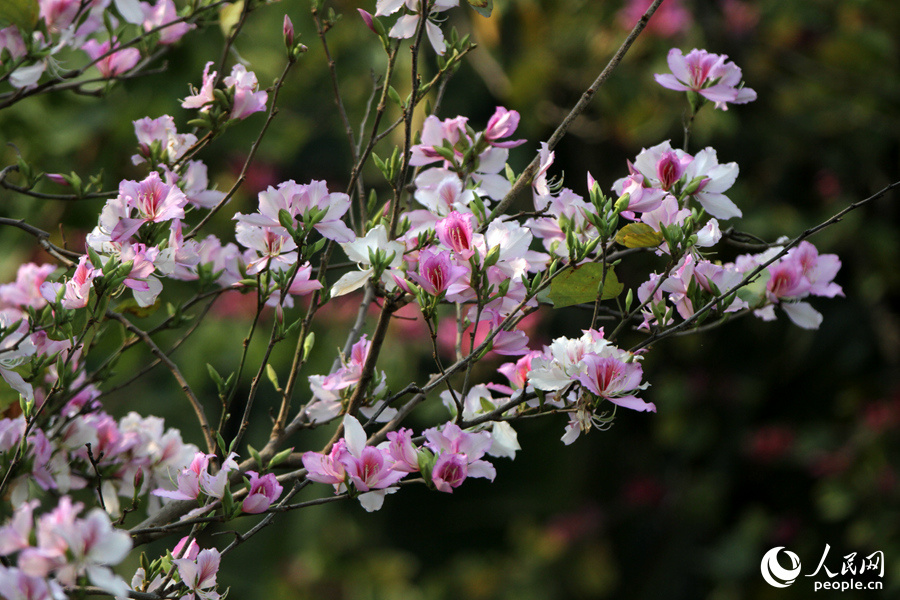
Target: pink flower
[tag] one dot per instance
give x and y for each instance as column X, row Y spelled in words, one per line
column 77, row 289
column 449, row 471
column 263, row 492
column 188, row 480
column 326, row 468
column 300, row 200
column 11, row 40
column 204, row 96
column 287, row 30
column 434, row 133
column 276, row 251
column 403, row 451
column 669, row 20
column 59, row 14
column 610, row 378
column 161, row 15
column 708, row 75
column 517, row 372
column 247, row 97
column 819, row 269
column 641, row 199
column 116, row 63
column 670, row 168
column 786, row 280
column 456, row 232
column 154, row 200
column 26, row 290
column 18, row 585
column 437, row 273
column 452, row 441
column 200, row 575
column 161, row 130
column 503, row 123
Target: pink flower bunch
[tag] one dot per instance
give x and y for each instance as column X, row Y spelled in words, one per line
column 134, row 454
column 689, row 285
column 453, row 455
column 247, row 98
column 196, row 479
column 662, row 170
column 458, row 456
column 708, row 75
column 330, row 390
column 66, row 547
column 162, row 134
column 351, row 461
column 593, row 365
column 488, row 150
column 801, row 273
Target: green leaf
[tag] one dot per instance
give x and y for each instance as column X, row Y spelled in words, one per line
column 230, row 16
column 639, row 235
column 580, row 284
column 21, row 13
column 130, row 306
column 482, row 7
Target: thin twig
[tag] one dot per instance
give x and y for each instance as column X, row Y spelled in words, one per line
column 176, row 372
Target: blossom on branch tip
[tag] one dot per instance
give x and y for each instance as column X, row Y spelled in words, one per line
column 503, row 123
column 163, row 17
column 263, row 492
column 708, row 75
column 77, row 289
column 120, row 61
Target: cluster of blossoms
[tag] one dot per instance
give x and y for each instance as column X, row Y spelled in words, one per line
column 79, row 440
column 195, row 482
column 445, row 460
column 82, row 24
column 196, row 570
column 64, row 545
column 241, row 92
column 139, row 238
column 448, row 250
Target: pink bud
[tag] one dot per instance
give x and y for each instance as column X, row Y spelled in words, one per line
column 288, row 32
column 368, row 19
column 56, row 178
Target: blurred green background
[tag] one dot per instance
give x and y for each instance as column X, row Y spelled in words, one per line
column 766, row 435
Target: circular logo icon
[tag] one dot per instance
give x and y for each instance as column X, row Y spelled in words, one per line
column 776, row 575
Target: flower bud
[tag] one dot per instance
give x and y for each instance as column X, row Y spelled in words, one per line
column 288, row 32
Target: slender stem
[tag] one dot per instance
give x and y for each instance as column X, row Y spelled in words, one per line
column 176, row 372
